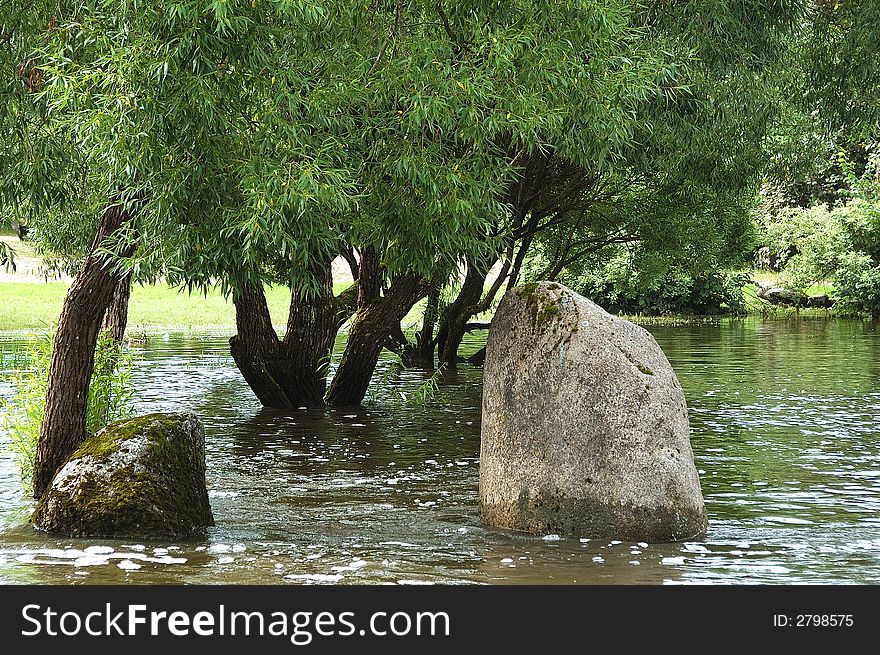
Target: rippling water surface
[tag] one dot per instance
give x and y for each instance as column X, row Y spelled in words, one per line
column 784, row 418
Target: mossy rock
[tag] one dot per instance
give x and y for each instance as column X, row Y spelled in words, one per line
column 142, row 478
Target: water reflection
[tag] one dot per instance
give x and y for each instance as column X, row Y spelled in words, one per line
column 783, row 418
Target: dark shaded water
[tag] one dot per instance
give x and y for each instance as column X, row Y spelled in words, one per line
column 784, row 422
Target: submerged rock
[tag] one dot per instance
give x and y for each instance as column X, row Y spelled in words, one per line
column 140, row 478
column 585, row 428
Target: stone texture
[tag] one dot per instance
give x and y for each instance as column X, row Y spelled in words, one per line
column 585, row 428
column 141, row 478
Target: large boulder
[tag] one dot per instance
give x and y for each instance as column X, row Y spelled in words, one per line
column 141, row 478
column 585, row 428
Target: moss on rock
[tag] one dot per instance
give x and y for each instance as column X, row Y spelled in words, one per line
column 140, row 478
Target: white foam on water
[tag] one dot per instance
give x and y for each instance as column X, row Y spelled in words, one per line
column 98, row 550
column 226, row 560
column 216, row 493
column 167, row 560
column 672, row 561
column 354, row 565
column 507, row 560
column 90, row 560
column 220, row 548
column 314, row 577
column 788, row 520
column 128, row 565
column 551, row 537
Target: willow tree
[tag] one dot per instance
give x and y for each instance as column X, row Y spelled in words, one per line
column 463, row 99
column 141, row 124
column 678, row 188
column 438, row 106
column 829, row 90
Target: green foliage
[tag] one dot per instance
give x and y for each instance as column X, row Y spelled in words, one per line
column 426, row 391
column 810, row 242
column 675, row 293
column 110, row 397
column 840, row 245
column 857, row 283
column 841, row 67
column 23, row 414
column 110, row 390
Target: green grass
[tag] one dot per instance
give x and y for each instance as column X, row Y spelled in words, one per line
column 30, row 305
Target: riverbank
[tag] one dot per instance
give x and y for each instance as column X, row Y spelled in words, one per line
column 28, row 301
column 33, row 306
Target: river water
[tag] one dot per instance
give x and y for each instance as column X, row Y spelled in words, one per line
column 784, row 420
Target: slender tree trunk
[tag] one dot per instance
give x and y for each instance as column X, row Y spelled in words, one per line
column 256, row 348
column 116, row 316
column 371, row 327
column 73, row 356
column 457, row 314
column 424, row 349
column 369, row 276
column 421, row 353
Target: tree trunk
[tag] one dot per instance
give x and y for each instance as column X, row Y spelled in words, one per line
column 291, row 372
column 371, row 326
column 308, row 343
column 256, row 349
column 424, row 349
column 421, row 353
column 116, row 316
column 453, row 325
column 73, row 356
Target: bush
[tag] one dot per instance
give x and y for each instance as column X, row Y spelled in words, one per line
column 840, row 245
column 678, row 292
column 110, row 397
column 810, row 242
column 857, row 284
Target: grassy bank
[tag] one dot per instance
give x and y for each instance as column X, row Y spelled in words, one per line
column 29, row 305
